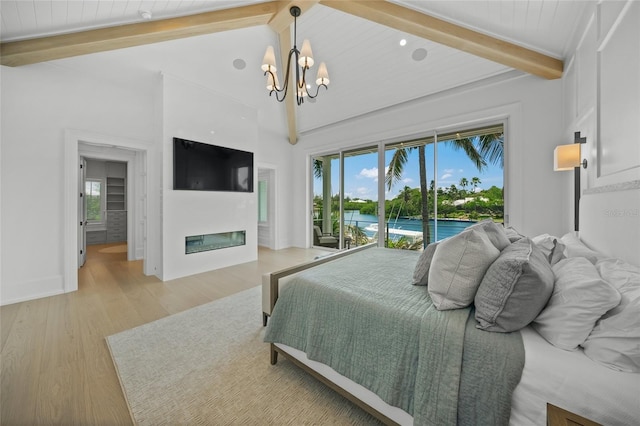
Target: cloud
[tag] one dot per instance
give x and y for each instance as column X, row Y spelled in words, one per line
column 446, row 176
column 407, row 180
column 371, row 173
column 363, row 191
column 448, row 171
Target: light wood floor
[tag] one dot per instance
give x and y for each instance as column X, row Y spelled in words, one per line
column 55, row 365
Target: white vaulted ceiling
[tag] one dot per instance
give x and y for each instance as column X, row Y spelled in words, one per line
column 369, row 70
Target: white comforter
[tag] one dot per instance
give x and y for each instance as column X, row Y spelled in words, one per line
column 572, row 381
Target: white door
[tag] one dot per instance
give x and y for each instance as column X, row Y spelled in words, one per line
column 266, row 208
column 82, row 215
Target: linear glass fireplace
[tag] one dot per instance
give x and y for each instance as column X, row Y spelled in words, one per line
column 206, row 242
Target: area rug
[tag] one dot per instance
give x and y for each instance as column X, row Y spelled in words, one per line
column 209, row 366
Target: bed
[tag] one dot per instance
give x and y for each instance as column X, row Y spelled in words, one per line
column 418, row 354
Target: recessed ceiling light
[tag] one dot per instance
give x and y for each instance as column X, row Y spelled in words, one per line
column 403, row 42
column 145, row 14
column 239, row 64
column 419, row 54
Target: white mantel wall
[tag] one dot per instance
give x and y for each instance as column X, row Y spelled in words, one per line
column 197, row 113
column 532, row 108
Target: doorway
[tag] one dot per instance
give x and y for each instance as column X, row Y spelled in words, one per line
column 135, row 154
column 106, row 183
column 103, row 200
column 267, row 208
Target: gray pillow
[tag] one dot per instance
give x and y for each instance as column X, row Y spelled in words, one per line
column 421, row 273
column 515, row 288
column 458, row 265
column 495, row 232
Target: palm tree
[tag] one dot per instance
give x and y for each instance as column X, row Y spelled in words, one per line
column 426, row 232
column 317, row 168
column 453, row 191
column 489, row 146
column 406, row 194
column 394, row 173
column 475, row 181
column 464, row 183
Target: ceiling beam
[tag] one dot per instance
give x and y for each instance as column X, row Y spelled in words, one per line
column 43, row 49
column 281, row 24
column 284, row 38
column 448, row 34
column 282, row 19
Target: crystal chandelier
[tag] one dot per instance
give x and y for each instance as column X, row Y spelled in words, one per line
column 303, row 61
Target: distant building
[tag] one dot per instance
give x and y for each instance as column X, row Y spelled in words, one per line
column 466, row 200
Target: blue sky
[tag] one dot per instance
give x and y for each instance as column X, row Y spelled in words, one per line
column 361, row 173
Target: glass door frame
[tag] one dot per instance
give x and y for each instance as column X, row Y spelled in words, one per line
column 381, row 149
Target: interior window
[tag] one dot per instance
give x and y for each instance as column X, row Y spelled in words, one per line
column 94, row 198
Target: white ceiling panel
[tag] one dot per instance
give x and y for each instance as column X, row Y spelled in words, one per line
column 368, row 68
column 542, row 25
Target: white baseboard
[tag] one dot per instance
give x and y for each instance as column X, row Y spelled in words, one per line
column 22, row 292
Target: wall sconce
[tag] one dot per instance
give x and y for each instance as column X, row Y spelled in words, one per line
column 567, row 157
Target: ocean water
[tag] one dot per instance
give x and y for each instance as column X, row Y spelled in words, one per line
column 445, row 228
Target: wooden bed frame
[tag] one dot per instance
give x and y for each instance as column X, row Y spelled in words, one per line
column 271, row 280
column 271, row 284
column 322, row 379
column 610, row 222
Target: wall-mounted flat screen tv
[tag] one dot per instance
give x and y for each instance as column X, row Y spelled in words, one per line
column 199, row 166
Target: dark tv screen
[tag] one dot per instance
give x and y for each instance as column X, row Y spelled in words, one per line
column 199, row 166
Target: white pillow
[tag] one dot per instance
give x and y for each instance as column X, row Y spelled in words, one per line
column 615, row 340
column 551, row 247
column 580, row 297
column 458, row 265
column 512, row 234
column 574, row 247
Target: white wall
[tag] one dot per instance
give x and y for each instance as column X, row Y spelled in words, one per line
column 532, row 109
column 39, row 102
column 276, row 153
column 197, row 113
column 607, row 56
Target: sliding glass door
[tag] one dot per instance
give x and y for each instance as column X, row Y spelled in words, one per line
column 361, row 195
column 434, row 187
column 326, row 200
column 409, row 184
column 348, row 216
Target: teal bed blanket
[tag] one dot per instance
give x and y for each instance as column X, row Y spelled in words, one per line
column 361, row 316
